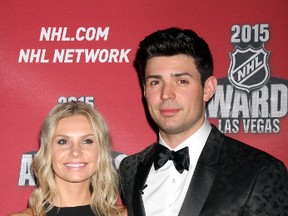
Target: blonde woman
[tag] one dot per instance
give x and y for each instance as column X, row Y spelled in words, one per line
column 73, row 166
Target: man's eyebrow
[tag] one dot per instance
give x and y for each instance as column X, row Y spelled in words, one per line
column 179, row 74
column 176, row 74
column 153, row 76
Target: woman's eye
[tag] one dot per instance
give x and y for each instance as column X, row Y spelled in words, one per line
column 88, row 141
column 62, row 141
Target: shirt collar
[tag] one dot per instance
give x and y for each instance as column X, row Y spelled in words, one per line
column 195, row 142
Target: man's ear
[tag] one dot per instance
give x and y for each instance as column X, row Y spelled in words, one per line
column 144, row 92
column 209, row 88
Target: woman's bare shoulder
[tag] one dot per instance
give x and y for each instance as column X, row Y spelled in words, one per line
column 123, row 210
column 26, row 212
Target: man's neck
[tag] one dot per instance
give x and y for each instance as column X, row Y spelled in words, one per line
column 174, row 140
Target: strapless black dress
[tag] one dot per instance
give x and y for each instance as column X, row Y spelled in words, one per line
column 71, row 211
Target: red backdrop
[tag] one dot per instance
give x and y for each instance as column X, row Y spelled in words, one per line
column 53, row 51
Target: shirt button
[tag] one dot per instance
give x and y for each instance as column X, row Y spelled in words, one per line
column 173, row 180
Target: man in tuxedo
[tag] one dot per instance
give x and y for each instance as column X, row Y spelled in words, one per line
column 193, row 169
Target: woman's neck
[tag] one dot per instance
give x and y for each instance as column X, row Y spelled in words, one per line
column 72, row 194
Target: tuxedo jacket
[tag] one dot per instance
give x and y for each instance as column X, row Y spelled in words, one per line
column 230, row 178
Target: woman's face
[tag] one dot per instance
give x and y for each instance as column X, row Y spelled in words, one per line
column 74, row 150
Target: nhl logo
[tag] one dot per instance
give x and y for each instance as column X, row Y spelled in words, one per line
column 249, row 68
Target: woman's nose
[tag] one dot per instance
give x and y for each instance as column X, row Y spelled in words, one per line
column 76, row 150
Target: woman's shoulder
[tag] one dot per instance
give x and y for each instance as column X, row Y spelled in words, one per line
column 26, row 212
column 122, row 210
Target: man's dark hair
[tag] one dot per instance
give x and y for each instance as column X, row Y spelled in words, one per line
column 174, row 41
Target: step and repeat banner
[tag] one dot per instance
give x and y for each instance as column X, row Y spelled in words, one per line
column 57, row 51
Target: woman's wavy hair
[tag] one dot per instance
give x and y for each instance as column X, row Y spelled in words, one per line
column 104, row 183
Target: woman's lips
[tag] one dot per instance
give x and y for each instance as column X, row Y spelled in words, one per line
column 75, row 166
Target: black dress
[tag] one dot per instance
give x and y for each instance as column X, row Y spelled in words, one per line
column 72, row 211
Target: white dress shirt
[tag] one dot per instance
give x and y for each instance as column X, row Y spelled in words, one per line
column 166, row 187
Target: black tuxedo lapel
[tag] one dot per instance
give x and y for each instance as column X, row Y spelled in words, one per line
column 140, row 179
column 204, row 175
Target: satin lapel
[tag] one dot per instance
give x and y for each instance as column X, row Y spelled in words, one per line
column 140, row 179
column 204, row 175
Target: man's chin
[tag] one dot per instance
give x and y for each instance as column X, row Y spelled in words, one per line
column 171, row 130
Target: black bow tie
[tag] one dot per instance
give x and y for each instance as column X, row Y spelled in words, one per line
column 180, row 158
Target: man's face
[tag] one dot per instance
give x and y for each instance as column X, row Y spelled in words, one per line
column 174, row 94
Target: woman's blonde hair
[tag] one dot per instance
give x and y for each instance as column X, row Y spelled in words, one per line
column 104, row 183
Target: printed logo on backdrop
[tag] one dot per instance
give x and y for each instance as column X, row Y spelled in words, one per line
column 250, row 99
column 26, row 175
column 67, row 36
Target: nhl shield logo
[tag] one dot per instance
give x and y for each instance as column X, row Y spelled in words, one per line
column 249, row 68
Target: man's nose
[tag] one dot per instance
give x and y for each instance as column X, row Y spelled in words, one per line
column 167, row 92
